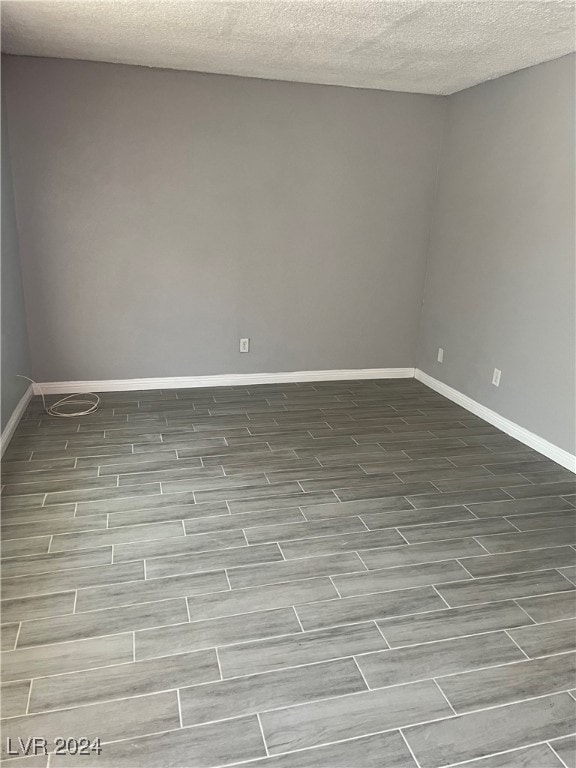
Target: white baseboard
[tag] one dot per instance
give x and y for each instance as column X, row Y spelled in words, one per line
column 559, row 455
column 14, row 420
column 221, row 380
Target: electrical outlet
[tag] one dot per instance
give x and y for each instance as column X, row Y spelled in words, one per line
column 496, row 377
column 440, row 355
column 244, row 345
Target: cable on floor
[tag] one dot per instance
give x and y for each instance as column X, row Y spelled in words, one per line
column 68, row 401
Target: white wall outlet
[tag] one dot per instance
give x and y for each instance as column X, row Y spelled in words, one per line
column 440, row 355
column 244, row 345
column 496, row 377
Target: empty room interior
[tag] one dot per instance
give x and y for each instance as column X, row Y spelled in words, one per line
column 288, row 384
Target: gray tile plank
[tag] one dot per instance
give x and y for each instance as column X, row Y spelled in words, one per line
column 436, row 659
column 261, row 598
column 412, row 554
column 457, row 530
column 51, row 527
column 349, row 716
column 346, row 482
column 518, row 507
column 491, row 588
column 37, row 606
column 375, row 490
column 98, row 623
column 554, row 607
column 547, row 520
column 69, row 486
column 14, row 698
column 510, row 682
column 15, row 503
column 96, row 598
column 281, row 501
column 517, row 562
column 213, row 560
column 219, row 483
column 454, row 448
column 74, row 578
column 339, row 452
column 511, row 459
column 382, row 749
column 476, row 483
column 398, row 461
column 245, row 520
column 315, row 512
column 248, row 492
column 298, row 649
column 156, row 502
column 121, row 463
column 272, row 690
column 442, row 473
column 201, row 475
column 36, row 466
column 454, row 622
column 545, row 639
column 403, row 577
column 8, row 635
column 27, row 516
column 458, row 497
column 92, row 539
column 516, row 725
column 325, row 545
column 112, row 720
column 208, row 746
column 196, row 635
column 307, row 568
column 67, row 657
column 554, row 537
column 36, row 545
column 305, row 530
column 417, row 517
column 201, row 542
column 350, row 610
column 103, row 494
column 167, row 513
column 125, row 680
column 265, row 463
column 141, row 464
column 344, row 473
column 544, row 489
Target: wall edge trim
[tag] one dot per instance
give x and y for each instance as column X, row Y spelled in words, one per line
column 14, row 420
column 531, row 439
column 219, row 380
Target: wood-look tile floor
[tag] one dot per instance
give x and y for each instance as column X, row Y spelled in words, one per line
column 329, row 575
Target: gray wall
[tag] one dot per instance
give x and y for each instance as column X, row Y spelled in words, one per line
column 15, row 358
column 501, row 272
column 166, row 214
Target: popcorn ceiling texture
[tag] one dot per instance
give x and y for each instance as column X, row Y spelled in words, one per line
column 421, row 46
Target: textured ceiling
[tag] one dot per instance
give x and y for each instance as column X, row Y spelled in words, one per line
column 424, row 46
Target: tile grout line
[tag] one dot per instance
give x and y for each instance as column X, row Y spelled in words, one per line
column 435, row 681
column 27, row 710
column 401, row 732
column 530, row 658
